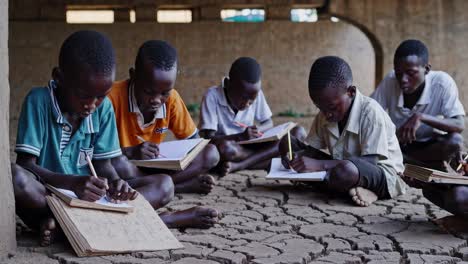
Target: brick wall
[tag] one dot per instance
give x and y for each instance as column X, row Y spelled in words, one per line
column 441, row 24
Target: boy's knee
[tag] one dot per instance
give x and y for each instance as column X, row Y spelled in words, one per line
column 454, row 142
column 167, row 188
column 20, row 178
column 458, row 197
column 299, row 132
column 164, row 187
column 211, row 157
column 226, row 151
column 343, row 176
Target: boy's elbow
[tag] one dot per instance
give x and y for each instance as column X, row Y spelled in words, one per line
column 25, row 160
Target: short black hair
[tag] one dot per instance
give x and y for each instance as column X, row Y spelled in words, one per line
column 160, row 53
column 329, row 71
column 89, row 48
column 246, row 69
column 412, row 47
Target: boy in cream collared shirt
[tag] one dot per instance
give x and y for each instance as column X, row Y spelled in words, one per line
column 365, row 157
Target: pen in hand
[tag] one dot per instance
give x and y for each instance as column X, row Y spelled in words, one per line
column 143, row 141
column 461, row 164
column 245, row 126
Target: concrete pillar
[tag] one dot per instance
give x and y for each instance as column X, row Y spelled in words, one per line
column 7, row 202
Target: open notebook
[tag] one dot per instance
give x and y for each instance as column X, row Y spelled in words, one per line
column 436, row 176
column 176, row 155
column 271, row 134
column 70, row 198
column 279, row 172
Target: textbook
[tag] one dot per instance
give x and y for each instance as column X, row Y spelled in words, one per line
column 279, row 172
column 175, row 155
column 96, row 233
column 70, row 198
column 435, row 176
column 271, row 134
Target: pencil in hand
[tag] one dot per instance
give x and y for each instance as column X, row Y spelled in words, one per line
column 245, row 126
column 289, row 145
column 91, row 168
column 143, row 141
column 461, row 164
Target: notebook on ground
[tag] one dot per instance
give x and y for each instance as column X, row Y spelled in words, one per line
column 279, row 172
column 431, row 175
column 271, row 134
column 176, row 155
column 96, row 232
column 70, row 198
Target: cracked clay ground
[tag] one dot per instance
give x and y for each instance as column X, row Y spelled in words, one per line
column 275, row 222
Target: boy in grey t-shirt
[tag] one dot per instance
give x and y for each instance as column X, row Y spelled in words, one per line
column 237, row 110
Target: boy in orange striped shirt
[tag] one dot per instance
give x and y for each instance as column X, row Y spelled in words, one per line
column 147, row 106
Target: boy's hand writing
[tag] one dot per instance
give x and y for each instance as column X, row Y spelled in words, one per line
column 250, row 133
column 146, row 150
column 119, row 190
column 89, row 188
column 302, row 163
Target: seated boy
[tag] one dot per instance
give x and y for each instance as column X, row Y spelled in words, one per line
column 365, row 158
column 64, row 122
column 147, row 106
column 227, row 109
column 415, row 98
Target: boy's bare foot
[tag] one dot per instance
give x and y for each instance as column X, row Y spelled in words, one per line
column 362, row 197
column 227, row 167
column 224, row 168
column 202, row 184
column 47, row 232
column 195, row 217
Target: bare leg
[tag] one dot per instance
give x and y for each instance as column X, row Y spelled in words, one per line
column 443, row 149
column 451, row 198
column 194, row 178
column 235, row 157
column 31, row 205
column 196, row 217
column 345, row 178
column 159, row 190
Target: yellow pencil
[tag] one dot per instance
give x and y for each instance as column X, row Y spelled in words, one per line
column 290, row 148
column 91, row 167
column 459, row 166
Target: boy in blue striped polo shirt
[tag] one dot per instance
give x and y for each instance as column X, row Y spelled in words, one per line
column 64, row 122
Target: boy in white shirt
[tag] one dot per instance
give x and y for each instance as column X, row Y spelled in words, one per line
column 415, row 98
column 231, row 112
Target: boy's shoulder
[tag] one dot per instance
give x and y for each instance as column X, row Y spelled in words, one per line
column 39, row 93
column 213, row 92
column 441, row 78
column 119, row 88
column 372, row 111
column 39, row 96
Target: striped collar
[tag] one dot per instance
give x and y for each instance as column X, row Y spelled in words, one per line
column 87, row 123
column 133, row 105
